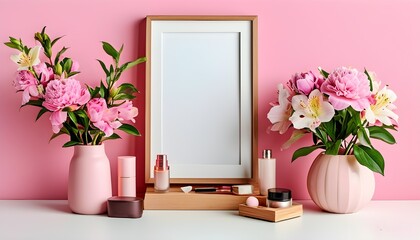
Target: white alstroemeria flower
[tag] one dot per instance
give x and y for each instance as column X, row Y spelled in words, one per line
column 279, row 114
column 27, row 60
column 311, row 111
column 382, row 109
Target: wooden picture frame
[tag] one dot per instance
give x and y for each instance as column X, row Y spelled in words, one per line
column 164, row 37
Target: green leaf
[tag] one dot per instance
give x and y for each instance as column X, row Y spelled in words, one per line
column 305, row 151
column 102, row 90
column 103, row 67
column 72, row 74
column 392, row 127
column 55, row 40
column 381, row 134
column 333, row 150
column 71, row 143
column 370, row 158
column 12, row 45
column 129, row 129
column 37, row 103
column 94, row 92
column 110, row 50
column 72, row 117
column 82, row 115
column 73, row 132
column 67, row 64
column 121, row 49
column 113, row 136
column 108, row 80
column 43, row 30
column 58, row 69
column 370, row 80
column 323, row 73
column 321, row 135
column 123, row 96
column 14, row 40
column 355, row 116
column 57, row 57
column 127, row 88
column 364, row 137
column 330, row 129
column 351, row 128
column 296, row 135
column 61, row 132
column 135, row 62
column 40, row 113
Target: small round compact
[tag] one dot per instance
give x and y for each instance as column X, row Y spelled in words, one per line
column 279, row 198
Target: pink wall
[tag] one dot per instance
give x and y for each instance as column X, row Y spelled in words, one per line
column 383, row 36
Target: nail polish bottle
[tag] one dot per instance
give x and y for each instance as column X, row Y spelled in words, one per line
column 127, row 176
column 266, row 172
column 161, row 173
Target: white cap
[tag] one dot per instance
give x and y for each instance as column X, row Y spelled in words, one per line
column 126, row 166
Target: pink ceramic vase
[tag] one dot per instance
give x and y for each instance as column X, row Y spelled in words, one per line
column 89, row 183
column 339, row 184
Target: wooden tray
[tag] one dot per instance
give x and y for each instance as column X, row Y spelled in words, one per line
column 271, row 214
column 178, row 200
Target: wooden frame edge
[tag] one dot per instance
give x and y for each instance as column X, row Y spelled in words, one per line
column 254, row 21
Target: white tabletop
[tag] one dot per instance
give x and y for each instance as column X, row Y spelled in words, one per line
column 52, row 219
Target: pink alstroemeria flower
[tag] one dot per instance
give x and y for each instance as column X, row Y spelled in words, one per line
column 60, row 94
column 347, row 87
column 280, row 113
column 311, row 111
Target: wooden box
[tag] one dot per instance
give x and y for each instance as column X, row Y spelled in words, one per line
column 177, row 200
column 271, row 214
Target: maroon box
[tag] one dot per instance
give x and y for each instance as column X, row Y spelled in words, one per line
column 125, row 207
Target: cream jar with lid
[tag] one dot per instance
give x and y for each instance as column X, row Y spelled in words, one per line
column 279, row 198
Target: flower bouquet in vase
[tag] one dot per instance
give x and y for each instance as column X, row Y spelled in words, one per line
column 342, row 110
column 88, row 115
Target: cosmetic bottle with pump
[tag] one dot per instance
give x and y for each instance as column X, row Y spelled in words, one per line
column 266, row 172
column 161, row 173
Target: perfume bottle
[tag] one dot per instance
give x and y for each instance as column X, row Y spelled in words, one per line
column 161, row 173
column 266, row 172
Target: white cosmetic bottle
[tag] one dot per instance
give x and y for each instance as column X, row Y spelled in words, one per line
column 161, row 173
column 266, row 172
column 127, row 176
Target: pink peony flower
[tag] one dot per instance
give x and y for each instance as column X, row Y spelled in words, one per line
column 126, row 111
column 96, row 108
column 304, row 83
column 56, row 119
column 60, row 94
column 103, row 118
column 27, row 83
column 46, row 73
column 347, row 87
column 64, row 93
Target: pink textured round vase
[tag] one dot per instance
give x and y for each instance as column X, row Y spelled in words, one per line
column 89, row 183
column 339, row 184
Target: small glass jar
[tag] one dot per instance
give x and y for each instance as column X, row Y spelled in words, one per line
column 279, row 198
